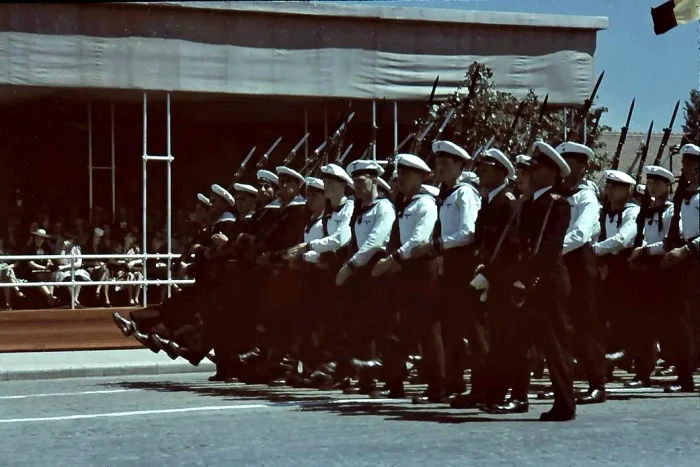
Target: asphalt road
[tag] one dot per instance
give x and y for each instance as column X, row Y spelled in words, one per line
column 182, row 420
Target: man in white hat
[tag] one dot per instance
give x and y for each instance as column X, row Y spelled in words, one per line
column 496, row 215
column 362, row 297
column 580, row 260
column 418, row 320
column 655, row 227
column 458, row 207
column 541, row 285
column 618, row 228
column 680, row 266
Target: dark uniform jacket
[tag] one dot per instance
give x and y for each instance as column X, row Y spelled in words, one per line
column 493, row 218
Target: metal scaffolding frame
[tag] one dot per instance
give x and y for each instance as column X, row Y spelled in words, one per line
column 112, row 168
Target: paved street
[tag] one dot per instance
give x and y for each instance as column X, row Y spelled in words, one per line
column 183, row 420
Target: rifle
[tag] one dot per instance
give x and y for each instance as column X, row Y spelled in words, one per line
column 644, row 150
column 623, row 137
column 345, row 154
column 535, row 129
column 596, row 121
column 513, row 125
column 325, row 147
column 241, row 170
column 583, row 113
column 466, row 101
column 673, row 238
column 262, row 162
column 292, row 154
column 666, row 136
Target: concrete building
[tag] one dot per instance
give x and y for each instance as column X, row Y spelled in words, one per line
column 240, row 74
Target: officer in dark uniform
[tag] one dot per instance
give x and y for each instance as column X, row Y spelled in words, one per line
column 541, row 282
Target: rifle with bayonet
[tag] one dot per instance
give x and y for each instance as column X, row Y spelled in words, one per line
column 293, row 153
column 511, row 130
column 666, row 136
column 465, row 102
column 241, row 170
column 641, row 155
column 319, row 153
column 583, row 112
column 263, row 162
column 535, row 128
column 623, row 137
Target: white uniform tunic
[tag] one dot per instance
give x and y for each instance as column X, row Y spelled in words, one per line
column 657, row 224
column 372, row 231
column 585, row 224
column 313, row 231
column 457, row 214
column 416, row 224
column 689, row 225
column 618, row 238
column 337, row 229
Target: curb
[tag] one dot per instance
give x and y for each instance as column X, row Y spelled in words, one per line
column 97, row 370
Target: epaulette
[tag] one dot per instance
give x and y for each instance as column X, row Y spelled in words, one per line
column 510, row 196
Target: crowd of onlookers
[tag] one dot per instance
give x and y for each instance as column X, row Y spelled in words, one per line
column 43, row 234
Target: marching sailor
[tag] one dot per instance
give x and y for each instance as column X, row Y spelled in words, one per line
column 458, row 208
column 651, row 308
column 618, row 228
column 580, row 260
column 680, row 250
column 418, row 323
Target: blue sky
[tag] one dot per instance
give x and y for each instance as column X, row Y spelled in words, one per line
column 657, row 70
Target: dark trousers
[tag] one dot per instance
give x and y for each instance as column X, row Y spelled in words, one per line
column 543, row 321
column 415, row 293
column 589, row 349
column 461, row 317
column 617, row 309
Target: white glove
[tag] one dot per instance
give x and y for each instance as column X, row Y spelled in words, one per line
column 484, row 296
column 480, row 282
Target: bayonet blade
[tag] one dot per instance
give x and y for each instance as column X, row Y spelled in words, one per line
column 425, row 132
column 597, row 85
column 673, row 117
column 345, row 154
column 543, row 107
column 403, row 143
column 298, row 145
column 447, row 120
column 247, row 158
column 272, row 148
column 318, row 150
column 432, row 92
column 651, row 127
column 629, row 114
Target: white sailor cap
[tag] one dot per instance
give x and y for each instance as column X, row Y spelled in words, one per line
column 223, row 193
column 450, row 148
column 383, row 185
column 266, row 175
column 315, row 183
column 690, row 150
column 413, row 162
column 351, row 185
column 335, row 172
column 495, row 155
column 244, row 188
column 575, row 148
column 203, row 199
column 654, row 171
column 522, row 160
column 619, row 176
column 550, row 156
column 469, row 177
column 430, row 190
column 362, row 166
column 282, row 170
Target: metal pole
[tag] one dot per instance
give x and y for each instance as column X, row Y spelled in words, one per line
column 114, row 168
column 306, row 130
column 585, row 129
column 374, row 123
column 90, row 161
column 396, row 125
column 565, row 132
column 144, row 246
column 169, row 239
column 72, row 282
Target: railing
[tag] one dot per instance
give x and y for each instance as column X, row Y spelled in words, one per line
column 72, row 283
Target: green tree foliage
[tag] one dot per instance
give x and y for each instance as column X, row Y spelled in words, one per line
column 691, row 128
column 483, row 112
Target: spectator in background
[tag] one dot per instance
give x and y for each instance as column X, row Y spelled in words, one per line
column 79, row 230
column 7, row 276
column 13, row 240
column 56, row 234
column 38, row 270
column 63, row 270
column 98, row 268
column 128, row 269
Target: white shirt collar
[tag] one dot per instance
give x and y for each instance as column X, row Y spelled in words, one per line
column 540, row 192
column 495, row 191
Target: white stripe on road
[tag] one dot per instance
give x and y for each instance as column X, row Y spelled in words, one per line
column 58, row 394
column 135, row 413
